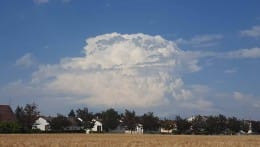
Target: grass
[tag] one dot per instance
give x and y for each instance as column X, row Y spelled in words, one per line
column 123, row 140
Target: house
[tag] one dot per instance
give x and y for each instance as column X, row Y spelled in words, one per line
column 6, row 114
column 168, row 127
column 138, row 130
column 42, row 123
column 96, row 128
column 74, row 124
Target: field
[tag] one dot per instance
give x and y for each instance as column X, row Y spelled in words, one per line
column 123, row 140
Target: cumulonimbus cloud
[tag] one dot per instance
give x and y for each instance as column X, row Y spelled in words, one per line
column 121, row 70
column 125, row 71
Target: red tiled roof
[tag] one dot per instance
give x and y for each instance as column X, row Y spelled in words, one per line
column 6, row 113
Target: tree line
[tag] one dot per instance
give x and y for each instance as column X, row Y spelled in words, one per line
column 111, row 119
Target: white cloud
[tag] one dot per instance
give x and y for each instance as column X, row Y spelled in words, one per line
column 244, row 53
column 135, row 71
column 47, row 1
column 201, row 40
column 230, row 71
column 121, row 70
column 253, row 32
column 248, row 100
column 40, row 1
column 239, row 96
column 66, row 1
column 26, row 60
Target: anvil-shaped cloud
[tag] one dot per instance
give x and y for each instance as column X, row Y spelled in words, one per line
column 120, row 70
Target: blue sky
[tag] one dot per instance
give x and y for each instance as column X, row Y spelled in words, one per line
column 207, row 55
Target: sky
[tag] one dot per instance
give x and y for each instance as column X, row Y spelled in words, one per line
column 170, row 57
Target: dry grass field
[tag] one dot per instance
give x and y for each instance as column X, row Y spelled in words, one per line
column 123, row 140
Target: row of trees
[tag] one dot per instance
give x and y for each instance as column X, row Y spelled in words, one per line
column 215, row 125
column 111, row 119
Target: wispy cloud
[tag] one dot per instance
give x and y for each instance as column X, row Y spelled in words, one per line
column 47, row 1
column 247, row 99
column 240, row 96
column 244, row 53
column 253, row 32
column 40, row 1
column 201, row 40
column 230, row 71
column 26, row 60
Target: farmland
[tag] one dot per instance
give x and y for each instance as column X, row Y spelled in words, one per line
column 123, row 140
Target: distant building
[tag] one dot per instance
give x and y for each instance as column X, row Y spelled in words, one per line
column 74, row 124
column 96, row 128
column 139, row 129
column 172, row 125
column 42, row 123
column 250, row 129
column 6, row 114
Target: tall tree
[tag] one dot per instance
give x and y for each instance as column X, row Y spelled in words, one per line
column 72, row 114
column 182, row 125
column 110, row 119
column 199, row 125
column 27, row 116
column 31, row 114
column 256, row 126
column 234, row 124
column 150, row 122
column 59, row 122
column 20, row 117
column 86, row 117
column 221, row 123
column 130, row 120
column 211, row 125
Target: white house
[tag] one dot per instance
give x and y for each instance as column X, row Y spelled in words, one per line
column 138, row 130
column 166, row 131
column 96, row 128
column 42, row 124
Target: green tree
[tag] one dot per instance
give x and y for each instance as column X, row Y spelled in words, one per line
column 221, row 124
column 198, row 125
column 130, row 120
column 183, row 125
column 233, row 124
column 86, row 117
column 59, row 122
column 216, row 124
column 110, row 119
column 27, row 116
column 31, row 114
column 20, row 117
column 150, row 122
column 9, row 127
column 72, row 114
column 211, row 125
column 256, row 126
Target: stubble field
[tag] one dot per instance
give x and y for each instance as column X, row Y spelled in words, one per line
column 123, row 140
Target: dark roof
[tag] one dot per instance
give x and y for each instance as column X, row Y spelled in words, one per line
column 6, row 113
column 73, row 121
